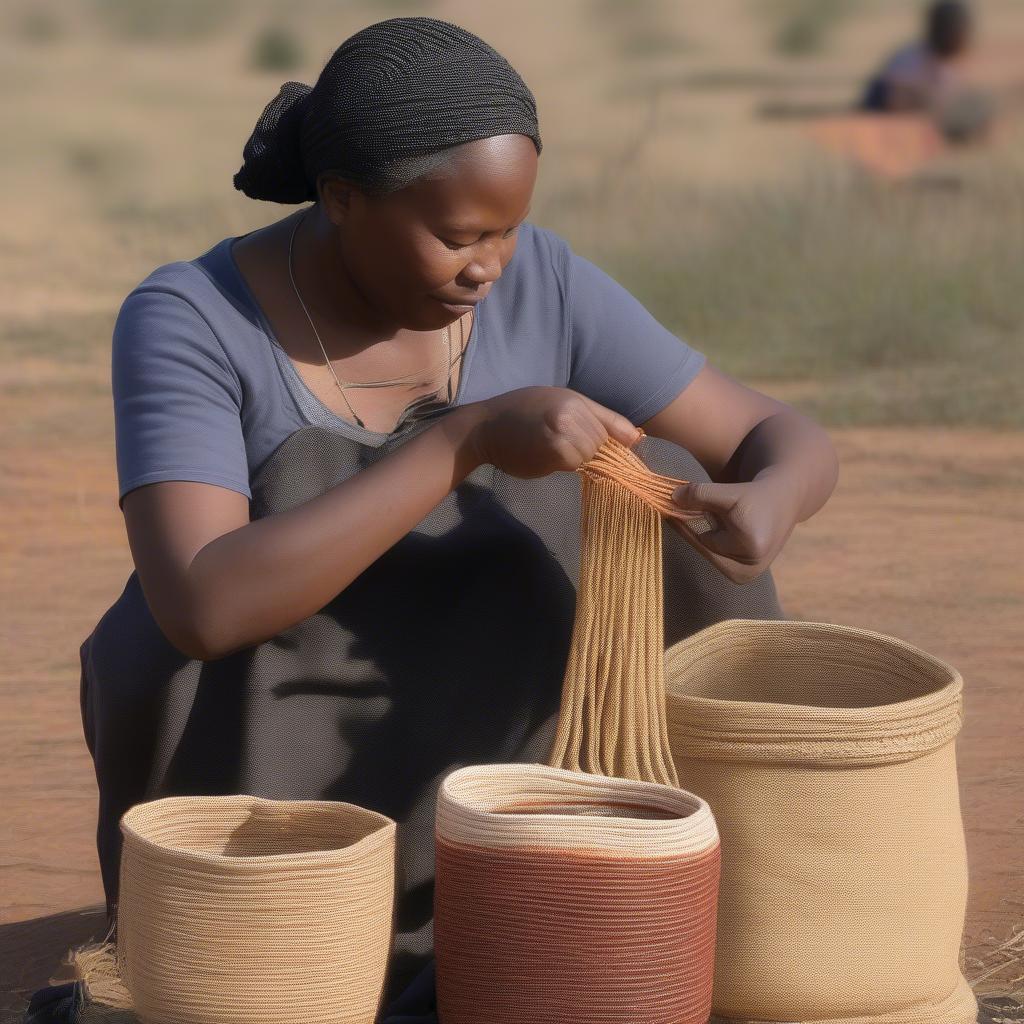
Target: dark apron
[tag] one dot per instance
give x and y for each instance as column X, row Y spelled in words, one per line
column 448, row 650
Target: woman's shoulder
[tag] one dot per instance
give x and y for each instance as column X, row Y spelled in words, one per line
column 194, row 302
column 197, row 281
column 550, row 273
column 544, row 250
column 183, row 314
column 535, row 277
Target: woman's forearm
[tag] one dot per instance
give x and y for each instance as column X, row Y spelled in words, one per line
column 792, row 446
column 251, row 583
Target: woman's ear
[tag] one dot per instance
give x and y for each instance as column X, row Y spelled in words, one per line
column 335, row 198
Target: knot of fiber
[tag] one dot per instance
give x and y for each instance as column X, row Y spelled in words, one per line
column 616, row 462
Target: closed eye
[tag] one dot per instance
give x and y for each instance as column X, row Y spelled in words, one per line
column 466, row 245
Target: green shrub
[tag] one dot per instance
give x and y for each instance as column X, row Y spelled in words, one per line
column 276, row 49
column 39, row 25
column 163, row 20
column 802, row 27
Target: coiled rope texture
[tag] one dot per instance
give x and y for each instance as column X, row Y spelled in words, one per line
column 569, row 897
column 240, row 909
column 827, row 755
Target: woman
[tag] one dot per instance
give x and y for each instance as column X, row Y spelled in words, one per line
column 345, row 445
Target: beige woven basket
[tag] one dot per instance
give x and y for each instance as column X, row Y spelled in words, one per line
column 236, row 908
column 568, row 897
column 827, row 755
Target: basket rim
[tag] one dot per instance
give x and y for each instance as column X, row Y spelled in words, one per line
column 382, row 834
column 819, row 735
column 697, row 826
column 948, row 679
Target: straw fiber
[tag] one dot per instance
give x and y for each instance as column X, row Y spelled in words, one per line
column 612, row 715
column 827, row 755
column 241, row 909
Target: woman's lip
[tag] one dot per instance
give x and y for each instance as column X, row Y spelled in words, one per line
column 457, row 305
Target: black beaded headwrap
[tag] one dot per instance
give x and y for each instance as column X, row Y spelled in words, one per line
column 394, row 93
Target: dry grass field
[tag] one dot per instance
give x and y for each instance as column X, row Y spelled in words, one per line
column 892, row 311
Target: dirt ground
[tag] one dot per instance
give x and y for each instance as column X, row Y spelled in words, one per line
column 921, row 540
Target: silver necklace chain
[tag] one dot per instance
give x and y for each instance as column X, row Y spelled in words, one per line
column 411, row 378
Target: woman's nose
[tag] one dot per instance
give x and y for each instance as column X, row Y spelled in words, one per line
column 485, row 266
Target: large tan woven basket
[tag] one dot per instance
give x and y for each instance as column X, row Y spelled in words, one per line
column 567, row 897
column 827, row 755
column 240, row 909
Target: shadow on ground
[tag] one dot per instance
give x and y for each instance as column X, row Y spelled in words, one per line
column 31, row 953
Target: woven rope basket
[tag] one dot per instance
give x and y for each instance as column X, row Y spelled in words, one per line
column 570, row 897
column 827, row 755
column 240, row 909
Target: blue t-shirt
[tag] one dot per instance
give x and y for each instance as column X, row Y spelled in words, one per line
column 203, row 391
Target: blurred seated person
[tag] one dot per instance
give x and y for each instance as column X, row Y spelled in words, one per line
column 922, row 75
column 930, row 76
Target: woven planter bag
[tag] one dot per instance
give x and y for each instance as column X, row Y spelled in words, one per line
column 240, row 909
column 570, row 897
column 827, row 755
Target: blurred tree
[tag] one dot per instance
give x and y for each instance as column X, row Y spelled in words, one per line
column 163, row 21
column 276, row 48
column 39, row 25
column 643, row 29
column 803, row 26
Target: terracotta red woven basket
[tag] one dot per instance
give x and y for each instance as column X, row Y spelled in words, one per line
column 569, row 897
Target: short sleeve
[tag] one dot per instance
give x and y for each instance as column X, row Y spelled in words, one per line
column 177, row 399
column 619, row 354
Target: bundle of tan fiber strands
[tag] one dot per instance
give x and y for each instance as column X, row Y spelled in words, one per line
column 566, row 897
column 827, row 755
column 241, row 909
column 612, row 715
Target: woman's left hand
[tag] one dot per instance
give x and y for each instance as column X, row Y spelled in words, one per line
column 751, row 521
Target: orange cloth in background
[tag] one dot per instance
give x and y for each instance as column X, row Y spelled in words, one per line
column 889, row 145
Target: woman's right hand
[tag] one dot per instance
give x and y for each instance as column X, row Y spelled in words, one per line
column 531, row 432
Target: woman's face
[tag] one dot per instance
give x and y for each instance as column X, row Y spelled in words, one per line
column 426, row 253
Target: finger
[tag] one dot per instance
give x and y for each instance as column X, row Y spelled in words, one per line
column 588, row 430
column 700, row 496
column 717, row 546
column 595, row 432
column 700, row 523
column 570, row 452
column 721, row 537
column 588, row 433
column 614, row 424
column 575, row 425
column 725, row 543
